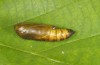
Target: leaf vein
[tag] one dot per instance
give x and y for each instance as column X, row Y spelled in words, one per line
column 68, row 43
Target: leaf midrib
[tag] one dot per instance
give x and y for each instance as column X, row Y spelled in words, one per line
column 45, row 57
column 35, row 54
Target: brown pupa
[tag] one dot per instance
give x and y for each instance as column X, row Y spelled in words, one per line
column 42, row 32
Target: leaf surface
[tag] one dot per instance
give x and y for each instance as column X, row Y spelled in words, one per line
column 80, row 15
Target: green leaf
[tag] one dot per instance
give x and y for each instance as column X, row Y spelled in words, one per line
column 80, row 15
